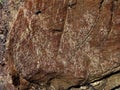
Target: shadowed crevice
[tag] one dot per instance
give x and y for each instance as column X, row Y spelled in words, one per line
column 72, row 3
column 38, row 12
column 16, row 80
column 101, row 4
column 116, row 88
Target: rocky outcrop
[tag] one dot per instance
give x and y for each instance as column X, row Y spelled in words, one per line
column 58, row 44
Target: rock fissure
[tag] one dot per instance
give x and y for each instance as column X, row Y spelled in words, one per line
column 101, row 4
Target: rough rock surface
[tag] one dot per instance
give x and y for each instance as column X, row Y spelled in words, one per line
column 58, row 44
column 6, row 19
column 5, row 79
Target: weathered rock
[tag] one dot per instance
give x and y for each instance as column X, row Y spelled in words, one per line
column 113, row 82
column 7, row 15
column 64, row 42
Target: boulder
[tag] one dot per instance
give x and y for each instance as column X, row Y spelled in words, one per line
column 64, row 43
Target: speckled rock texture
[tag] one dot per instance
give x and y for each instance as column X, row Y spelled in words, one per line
column 58, row 44
column 6, row 17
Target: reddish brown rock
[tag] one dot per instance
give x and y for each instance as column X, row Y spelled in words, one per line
column 64, row 42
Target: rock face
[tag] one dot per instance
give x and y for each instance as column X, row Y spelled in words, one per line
column 63, row 43
column 6, row 19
